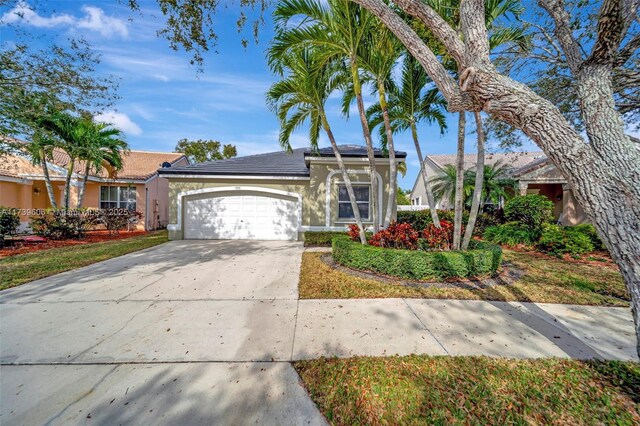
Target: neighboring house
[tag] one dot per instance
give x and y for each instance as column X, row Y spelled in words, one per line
column 137, row 186
column 273, row 196
column 533, row 172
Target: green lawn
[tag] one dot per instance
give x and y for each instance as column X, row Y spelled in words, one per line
column 472, row 390
column 19, row 269
column 546, row 280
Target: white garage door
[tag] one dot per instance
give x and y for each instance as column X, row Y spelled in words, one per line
column 241, row 217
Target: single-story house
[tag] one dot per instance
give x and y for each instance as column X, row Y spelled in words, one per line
column 533, row 172
column 137, row 186
column 273, row 196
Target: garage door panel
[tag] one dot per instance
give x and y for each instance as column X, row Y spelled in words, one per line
column 260, row 217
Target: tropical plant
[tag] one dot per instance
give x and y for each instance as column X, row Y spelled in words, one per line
column 101, row 146
column 339, row 30
column 397, row 236
column 300, row 96
column 532, row 211
column 408, row 106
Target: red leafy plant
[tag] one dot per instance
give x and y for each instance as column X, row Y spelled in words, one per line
column 396, row 235
column 354, row 232
column 439, row 238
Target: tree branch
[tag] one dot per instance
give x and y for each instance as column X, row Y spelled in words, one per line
column 625, row 53
column 571, row 48
column 613, row 23
column 474, row 31
column 456, row 101
column 438, row 26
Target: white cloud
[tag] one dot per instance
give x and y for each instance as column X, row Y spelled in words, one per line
column 94, row 20
column 120, row 121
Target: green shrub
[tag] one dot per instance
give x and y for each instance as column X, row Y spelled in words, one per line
column 590, row 231
column 320, row 239
column 420, row 219
column 486, row 220
column 511, row 234
column 483, row 259
column 59, row 224
column 115, row 220
column 531, row 210
column 9, row 220
column 557, row 240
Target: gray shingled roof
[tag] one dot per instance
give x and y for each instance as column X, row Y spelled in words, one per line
column 278, row 163
column 351, row 151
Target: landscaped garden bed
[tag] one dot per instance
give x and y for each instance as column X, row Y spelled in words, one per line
column 16, row 245
column 472, row 390
column 483, row 259
column 22, row 268
column 543, row 279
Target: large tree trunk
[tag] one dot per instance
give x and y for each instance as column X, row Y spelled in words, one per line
column 67, row 183
column 603, row 173
column 425, row 178
column 357, row 88
column 458, row 203
column 393, row 166
column 477, row 190
column 47, row 181
column 345, row 177
column 83, row 188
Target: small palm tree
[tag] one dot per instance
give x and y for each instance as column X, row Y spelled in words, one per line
column 408, row 106
column 101, row 146
column 300, row 96
column 340, row 30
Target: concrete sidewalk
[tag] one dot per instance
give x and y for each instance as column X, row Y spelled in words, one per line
column 203, row 332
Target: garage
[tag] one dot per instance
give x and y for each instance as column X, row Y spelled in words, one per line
column 241, row 216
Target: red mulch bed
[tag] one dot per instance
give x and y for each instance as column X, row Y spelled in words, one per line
column 91, row 237
column 596, row 258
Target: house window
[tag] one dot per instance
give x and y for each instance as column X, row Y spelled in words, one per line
column 362, row 193
column 118, row 197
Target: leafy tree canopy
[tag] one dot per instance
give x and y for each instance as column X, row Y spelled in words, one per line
column 201, row 150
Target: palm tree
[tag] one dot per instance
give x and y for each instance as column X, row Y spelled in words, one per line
column 300, row 96
column 340, row 29
column 378, row 62
column 498, row 36
column 444, row 185
column 68, row 130
column 496, row 185
column 102, row 145
column 408, row 106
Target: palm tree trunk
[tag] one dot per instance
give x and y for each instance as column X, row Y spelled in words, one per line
column 393, row 166
column 67, row 183
column 425, row 178
column 345, row 177
column 458, row 201
column 357, row 89
column 47, row 180
column 477, row 190
column 83, row 188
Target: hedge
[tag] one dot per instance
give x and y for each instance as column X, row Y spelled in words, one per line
column 320, row 239
column 482, row 260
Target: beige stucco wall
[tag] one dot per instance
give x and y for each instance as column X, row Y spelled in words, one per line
column 313, row 191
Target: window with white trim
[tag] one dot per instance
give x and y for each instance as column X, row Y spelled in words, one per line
column 362, row 193
column 118, row 197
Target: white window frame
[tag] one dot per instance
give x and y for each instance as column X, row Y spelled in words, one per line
column 120, row 204
column 368, row 202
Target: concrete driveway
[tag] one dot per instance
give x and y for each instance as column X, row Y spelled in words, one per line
column 202, row 332
column 143, row 339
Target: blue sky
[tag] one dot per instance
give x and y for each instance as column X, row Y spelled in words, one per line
column 164, row 99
